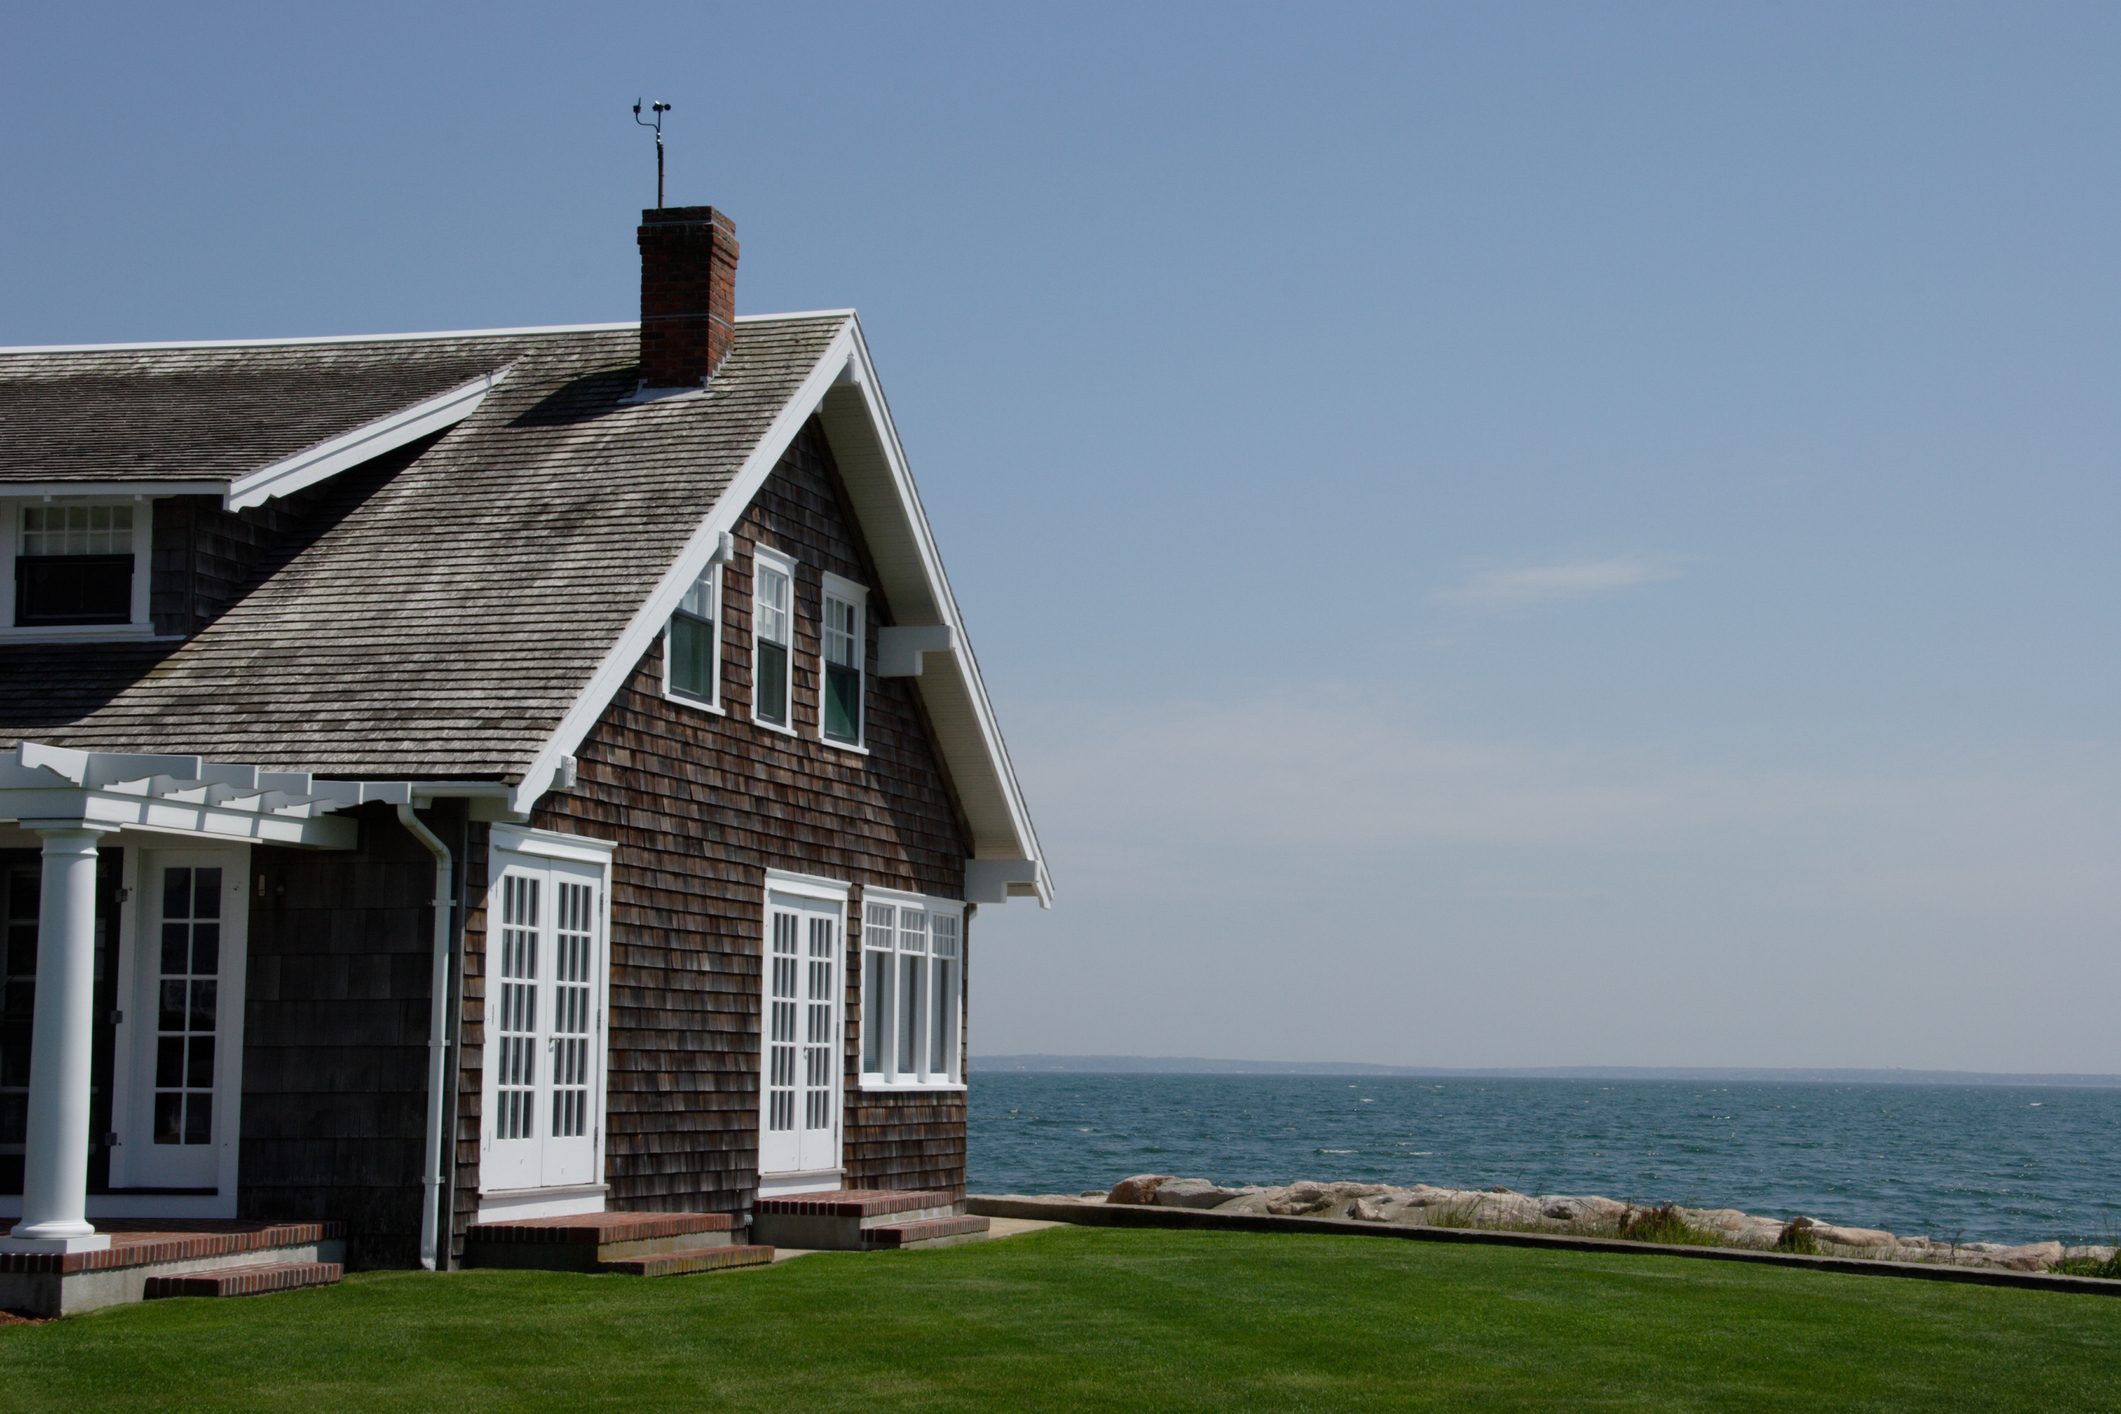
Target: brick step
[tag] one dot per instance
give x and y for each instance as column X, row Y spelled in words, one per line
column 836, row 1219
column 688, row 1261
column 588, row 1241
column 255, row 1279
column 925, row 1232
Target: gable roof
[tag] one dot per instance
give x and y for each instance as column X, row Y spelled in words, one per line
column 470, row 618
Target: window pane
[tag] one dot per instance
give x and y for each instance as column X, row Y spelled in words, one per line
column 876, row 1009
column 843, row 704
column 912, row 972
column 73, row 589
column 771, row 607
column 942, row 1051
column 198, row 1118
column 206, row 894
column 770, row 690
column 692, row 650
column 169, row 1117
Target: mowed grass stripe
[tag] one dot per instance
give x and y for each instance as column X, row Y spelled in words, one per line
column 1098, row 1319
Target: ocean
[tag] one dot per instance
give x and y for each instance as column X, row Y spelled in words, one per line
column 1966, row 1163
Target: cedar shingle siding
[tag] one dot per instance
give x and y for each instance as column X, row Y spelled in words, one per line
column 701, row 806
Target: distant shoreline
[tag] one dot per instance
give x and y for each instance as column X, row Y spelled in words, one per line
column 1039, row 1064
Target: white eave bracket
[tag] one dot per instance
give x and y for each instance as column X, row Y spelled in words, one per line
column 999, row 880
column 901, row 649
column 365, row 443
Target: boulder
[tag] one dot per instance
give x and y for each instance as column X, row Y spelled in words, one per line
column 1195, row 1193
column 1139, row 1189
column 2032, row 1257
column 1851, row 1236
column 2089, row 1254
column 1371, row 1210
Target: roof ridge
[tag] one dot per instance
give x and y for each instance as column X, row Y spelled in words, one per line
column 407, row 338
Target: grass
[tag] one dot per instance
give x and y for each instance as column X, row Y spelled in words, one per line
column 1663, row 1225
column 1086, row 1318
column 2090, row 1266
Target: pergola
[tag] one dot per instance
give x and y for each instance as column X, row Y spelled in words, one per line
column 69, row 800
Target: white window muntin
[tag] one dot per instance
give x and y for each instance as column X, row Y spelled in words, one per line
column 23, row 537
column 702, row 608
column 773, row 639
column 843, row 641
column 913, row 983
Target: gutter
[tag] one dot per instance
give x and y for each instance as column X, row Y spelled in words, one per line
column 437, row 1039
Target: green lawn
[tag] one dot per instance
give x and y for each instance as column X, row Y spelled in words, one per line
column 1100, row 1318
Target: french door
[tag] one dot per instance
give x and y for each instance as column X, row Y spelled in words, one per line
column 544, row 1058
column 799, row 1087
column 183, row 1020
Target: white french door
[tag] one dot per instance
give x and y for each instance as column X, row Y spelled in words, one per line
column 799, row 1099
column 544, row 1059
column 180, row 1064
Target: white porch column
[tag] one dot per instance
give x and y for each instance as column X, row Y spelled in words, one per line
column 55, row 1155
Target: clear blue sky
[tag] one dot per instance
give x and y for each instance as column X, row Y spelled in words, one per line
column 1500, row 534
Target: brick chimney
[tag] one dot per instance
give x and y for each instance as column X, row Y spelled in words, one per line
column 688, row 294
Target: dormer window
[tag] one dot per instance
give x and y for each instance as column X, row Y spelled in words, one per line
column 75, row 565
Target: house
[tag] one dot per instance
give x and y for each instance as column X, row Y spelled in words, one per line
column 529, row 776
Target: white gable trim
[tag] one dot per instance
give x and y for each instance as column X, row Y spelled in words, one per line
column 328, row 459
column 845, row 365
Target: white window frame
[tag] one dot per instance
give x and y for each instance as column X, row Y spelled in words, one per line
column 712, row 702
column 762, row 557
column 856, row 595
column 141, row 624
column 876, row 1010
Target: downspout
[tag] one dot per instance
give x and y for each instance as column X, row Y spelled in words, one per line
column 437, row 1038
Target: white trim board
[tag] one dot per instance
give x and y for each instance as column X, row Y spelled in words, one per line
column 842, row 387
column 286, row 341
column 364, row 443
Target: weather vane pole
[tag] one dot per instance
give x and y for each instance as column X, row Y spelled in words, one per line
column 659, row 108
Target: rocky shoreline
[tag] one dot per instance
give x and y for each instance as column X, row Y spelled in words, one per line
column 1503, row 1209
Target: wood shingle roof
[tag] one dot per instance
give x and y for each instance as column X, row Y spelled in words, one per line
column 442, row 626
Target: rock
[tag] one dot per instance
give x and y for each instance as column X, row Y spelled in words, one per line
column 1422, row 1195
column 1139, row 1189
column 2032, row 1257
column 1851, row 1236
column 1194, row 1193
column 1370, row 1210
column 2089, row 1254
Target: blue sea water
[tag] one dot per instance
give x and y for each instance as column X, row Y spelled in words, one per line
column 1969, row 1163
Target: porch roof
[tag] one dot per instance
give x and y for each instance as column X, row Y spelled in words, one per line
column 184, row 795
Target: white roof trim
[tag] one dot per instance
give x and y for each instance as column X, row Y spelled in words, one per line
column 109, row 490
column 350, row 449
column 963, row 662
column 183, row 795
column 288, row 342
column 845, row 360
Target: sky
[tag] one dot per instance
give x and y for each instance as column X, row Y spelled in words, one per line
column 1498, row 535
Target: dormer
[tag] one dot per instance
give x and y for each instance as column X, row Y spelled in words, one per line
column 141, row 484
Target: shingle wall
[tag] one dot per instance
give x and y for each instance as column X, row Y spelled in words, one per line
column 701, row 806
column 335, row 1036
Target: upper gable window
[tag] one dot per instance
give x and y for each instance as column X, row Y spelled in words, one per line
column 773, row 637
column 76, row 565
column 692, row 647
column 843, row 635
